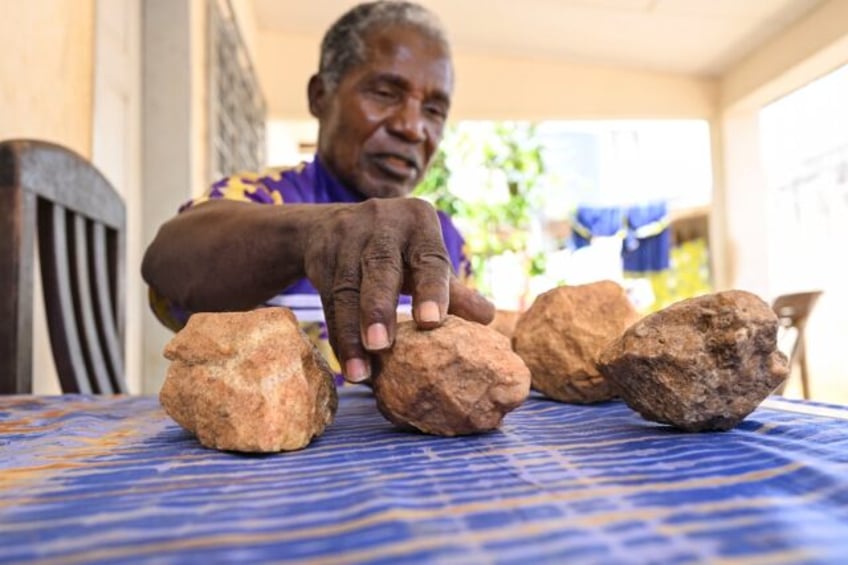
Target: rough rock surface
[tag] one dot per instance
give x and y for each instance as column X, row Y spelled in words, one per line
column 563, row 333
column 504, row 322
column 701, row 364
column 248, row 381
column 460, row 378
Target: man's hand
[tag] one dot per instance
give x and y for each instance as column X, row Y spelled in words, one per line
column 225, row 255
column 360, row 257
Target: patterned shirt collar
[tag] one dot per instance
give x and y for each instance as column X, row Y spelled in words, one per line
column 331, row 189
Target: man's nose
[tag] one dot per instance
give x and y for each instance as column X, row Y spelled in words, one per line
column 408, row 122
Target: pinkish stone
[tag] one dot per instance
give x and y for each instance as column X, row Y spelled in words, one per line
column 248, row 381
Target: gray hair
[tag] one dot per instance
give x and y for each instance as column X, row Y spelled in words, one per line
column 343, row 46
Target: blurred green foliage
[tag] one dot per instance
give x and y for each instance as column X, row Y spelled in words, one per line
column 498, row 217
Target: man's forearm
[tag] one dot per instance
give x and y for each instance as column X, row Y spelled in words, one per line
column 226, row 255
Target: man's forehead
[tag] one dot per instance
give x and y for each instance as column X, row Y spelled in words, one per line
column 403, row 42
column 402, row 49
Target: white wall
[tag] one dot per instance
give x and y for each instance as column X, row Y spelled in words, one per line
column 505, row 88
column 745, row 201
column 47, row 49
column 46, row 81
column 511, row 88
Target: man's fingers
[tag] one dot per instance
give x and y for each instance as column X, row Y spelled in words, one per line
column 363, row 257
column 382, row 276
column 332, row 265
column 429, row 269
column 344, row 324
column 469, row 304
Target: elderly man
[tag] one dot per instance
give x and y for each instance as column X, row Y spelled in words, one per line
column 381, row 96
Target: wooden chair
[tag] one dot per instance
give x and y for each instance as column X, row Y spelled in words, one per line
column 793, row 311
column 51, row 195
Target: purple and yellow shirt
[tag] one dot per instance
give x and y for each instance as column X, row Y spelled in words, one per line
column 308, row 183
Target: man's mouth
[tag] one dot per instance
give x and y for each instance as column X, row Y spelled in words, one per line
column 397, row 166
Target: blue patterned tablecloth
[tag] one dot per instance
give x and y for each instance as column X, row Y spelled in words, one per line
column 114, row 480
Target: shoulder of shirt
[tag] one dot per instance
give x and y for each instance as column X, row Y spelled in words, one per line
column 273, row 174
column 241, row 185
column 276, row 173
column 446, row 221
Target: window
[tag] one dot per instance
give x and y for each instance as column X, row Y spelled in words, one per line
column 236, row 104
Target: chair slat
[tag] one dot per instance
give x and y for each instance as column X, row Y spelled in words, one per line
column 56, row 279
column 116, row 246
column 105, row 309
column 90, row 342
column 17, row 240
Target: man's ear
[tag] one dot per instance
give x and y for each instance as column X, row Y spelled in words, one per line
column 317, row 94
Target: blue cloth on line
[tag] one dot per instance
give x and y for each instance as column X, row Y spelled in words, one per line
column 652, row 253
column 592, row 221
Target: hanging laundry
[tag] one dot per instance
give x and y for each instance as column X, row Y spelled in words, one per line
column 647, row 244
column 590, row 222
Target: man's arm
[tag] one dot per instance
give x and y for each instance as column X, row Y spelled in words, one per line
column 225, row 255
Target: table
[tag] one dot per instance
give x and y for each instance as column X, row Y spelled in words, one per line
column 112, row 479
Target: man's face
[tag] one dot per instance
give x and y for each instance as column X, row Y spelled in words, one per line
column 379, row 128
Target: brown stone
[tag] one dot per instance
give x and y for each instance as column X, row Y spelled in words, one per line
column 701, row 364
column 504, row 321
column 562, row 334
column 460, row 378
column 248, row 381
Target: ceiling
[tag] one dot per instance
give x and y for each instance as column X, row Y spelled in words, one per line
column 694, row 37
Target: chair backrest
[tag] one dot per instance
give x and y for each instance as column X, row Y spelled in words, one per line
column 51, row 195
column 793, row 310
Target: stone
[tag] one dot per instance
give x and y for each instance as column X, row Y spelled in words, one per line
column 457, row 379
column 248, row 381
column 562, row 334
column 504, row 321
column 701, row 364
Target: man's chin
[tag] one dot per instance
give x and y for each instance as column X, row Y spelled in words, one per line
column 386, row 190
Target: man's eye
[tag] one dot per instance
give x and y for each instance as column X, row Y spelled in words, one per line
column 384, row 93
column 436, row 111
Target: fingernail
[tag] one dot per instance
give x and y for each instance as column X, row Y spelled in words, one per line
column 356, row 370
column 377, row 337
column 429, row 312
